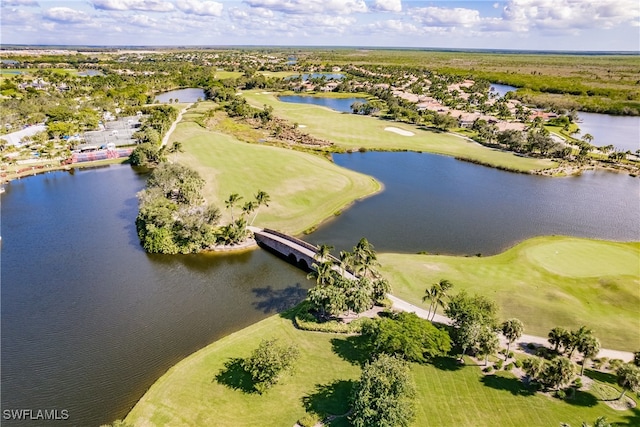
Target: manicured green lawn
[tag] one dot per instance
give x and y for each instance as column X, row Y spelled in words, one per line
column 305, row 189
column 194, row 393
column 545, row 282
column 351, row 131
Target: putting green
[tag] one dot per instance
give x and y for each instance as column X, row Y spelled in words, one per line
column 587, row 282
column 582, row 258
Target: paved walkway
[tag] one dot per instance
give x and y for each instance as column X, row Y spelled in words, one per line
column 402, row 305
column 165, row 140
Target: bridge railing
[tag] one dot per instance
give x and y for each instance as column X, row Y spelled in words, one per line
column 302, row 243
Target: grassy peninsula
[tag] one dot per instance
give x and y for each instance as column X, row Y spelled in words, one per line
column 544, row 281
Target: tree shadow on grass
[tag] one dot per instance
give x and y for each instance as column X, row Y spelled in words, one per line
column 603, row 377
column 581, row 398
column 278, row 300
column 235, row 377
column 633, row 419
column 512, row 385
column 329, row 399
column 354, row 349
column 447, row 363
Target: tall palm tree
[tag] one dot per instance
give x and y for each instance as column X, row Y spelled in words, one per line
column 262, row 198
column 512, row 330
column 364, row 257
column 556, row 337
column 323, row 252
column 437, row 293
column 346, row 261
column 589, row 347
column 248, row 207
column 232, row 201
column 322, row 272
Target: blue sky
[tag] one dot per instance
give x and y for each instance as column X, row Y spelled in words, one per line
column 604, row 25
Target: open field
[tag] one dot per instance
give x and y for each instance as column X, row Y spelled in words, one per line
column 448, row 394
column 350, row 131
column 545, row 282
column 305, row 189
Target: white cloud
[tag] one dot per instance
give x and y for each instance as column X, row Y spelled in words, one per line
column 141, row 5
column 387, row 5
column 446, row 17
column 65, row 15
column 200, row 8
column 27, row 3
column 570, row 15
column 142, row 21
column 310, row 6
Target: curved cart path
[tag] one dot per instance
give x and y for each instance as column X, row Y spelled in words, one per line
column 402, row 305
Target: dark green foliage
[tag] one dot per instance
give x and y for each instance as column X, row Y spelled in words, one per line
column 471, row 317
column 172, row 218
column 557, row 372
column 407, row 336
column 147, row 154
column 268, row 362
column 384, row 395
column 636, row 358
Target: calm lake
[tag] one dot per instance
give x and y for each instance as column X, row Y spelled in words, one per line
column 89, row 320
column 339, row 104
column 182, row 95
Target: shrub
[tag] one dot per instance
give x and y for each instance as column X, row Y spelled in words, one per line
column 518, row 363
column 499, row 364
column 384, row 302
column 561, row 394
column 309, row 420
column 615, row 364
column 508, row 367
column 531, row 346
column 488, row 369
column 511, row 354
column 578, row 382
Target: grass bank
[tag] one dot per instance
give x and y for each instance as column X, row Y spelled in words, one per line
column 305, row 189
column 352, row 132
column 194, row 393
column 545, row 282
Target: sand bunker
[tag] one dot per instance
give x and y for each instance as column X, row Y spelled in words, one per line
column 302, row 126
column 399, row 131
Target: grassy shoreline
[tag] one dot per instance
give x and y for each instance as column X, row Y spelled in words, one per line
column 544, row 281
column 196, row 390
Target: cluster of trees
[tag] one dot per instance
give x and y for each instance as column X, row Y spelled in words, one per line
column 350, row 284
column 567, row 342
column 155, row 124
column 173, row 217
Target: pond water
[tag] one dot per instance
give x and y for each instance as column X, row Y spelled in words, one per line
column 502, row 90
column 89, row 320
column 623, row 132
column 182, row 95
column 441, row 205
column 339, row 104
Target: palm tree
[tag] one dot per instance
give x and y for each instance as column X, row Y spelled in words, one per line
column 589, row 347
column 437, row 293
column 323, row 252
column 231, row 202
column 628, row 378
column 364, row 257
column 556, row 337
column 512, row 330
column 262, row 198
column 577, row 337
column 322, row 272
column 248, row 207
column 346, row 261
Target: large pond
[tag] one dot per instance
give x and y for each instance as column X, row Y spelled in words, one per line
column 623, row 132
column 89, row 321
column 339, row 104
column 182, row 95
column 442, row 205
